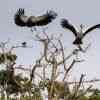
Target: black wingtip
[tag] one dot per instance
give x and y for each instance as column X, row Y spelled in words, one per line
column 64, row 23
column 20, row 11
column 17, row 20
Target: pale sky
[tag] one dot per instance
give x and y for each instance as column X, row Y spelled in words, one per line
column 84, row 12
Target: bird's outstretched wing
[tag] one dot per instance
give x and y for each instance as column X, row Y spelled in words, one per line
column 20, row 18
column 65, row 24
column 91, row 28
column 43, row 20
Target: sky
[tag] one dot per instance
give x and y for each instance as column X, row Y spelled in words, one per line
column 78, row 12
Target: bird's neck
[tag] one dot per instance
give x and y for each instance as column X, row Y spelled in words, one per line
column 80, row 34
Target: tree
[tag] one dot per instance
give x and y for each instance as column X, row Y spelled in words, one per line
column 53, row 57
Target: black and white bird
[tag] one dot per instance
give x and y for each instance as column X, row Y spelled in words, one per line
column 79, row 35
column 31, row 21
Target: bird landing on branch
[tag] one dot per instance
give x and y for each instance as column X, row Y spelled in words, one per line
column 79, row 34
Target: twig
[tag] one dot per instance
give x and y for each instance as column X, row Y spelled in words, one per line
column 69, row 68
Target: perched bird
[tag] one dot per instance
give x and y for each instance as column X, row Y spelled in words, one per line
column 22, row 20
column 79, row 35
column 24, row 44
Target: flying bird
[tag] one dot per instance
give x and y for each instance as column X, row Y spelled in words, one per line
column 79, row 35
column 24, row 21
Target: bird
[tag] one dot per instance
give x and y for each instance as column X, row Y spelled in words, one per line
column 31, row 21
column 79, row 35
column 24, row 44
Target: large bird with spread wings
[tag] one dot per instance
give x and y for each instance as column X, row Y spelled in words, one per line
column 24, row 21
column 78, row 35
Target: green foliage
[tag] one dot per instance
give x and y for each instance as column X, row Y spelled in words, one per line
column 2, row 98
column 6, row 78
column 83, row 98
column 25, row 98
column 11, row 57
column 3, row 77
column 58, row 88
column 95, row 97
column 37, row 94
column 7, row 56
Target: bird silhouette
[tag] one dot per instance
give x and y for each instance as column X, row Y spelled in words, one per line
column 79, row 35
column 24, row 44
column 24, row 21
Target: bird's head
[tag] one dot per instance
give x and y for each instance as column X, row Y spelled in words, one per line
column 52, row 14
column 81, row 26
